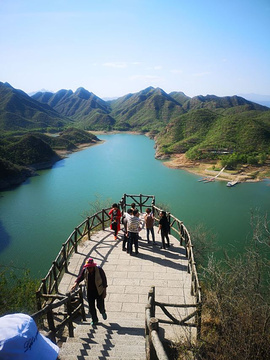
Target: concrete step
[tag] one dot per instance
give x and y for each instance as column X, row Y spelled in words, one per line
column 104, row 342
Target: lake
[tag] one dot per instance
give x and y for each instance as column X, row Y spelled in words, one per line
column 37, row 217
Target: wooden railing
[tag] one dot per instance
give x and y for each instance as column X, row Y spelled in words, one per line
column 181, row 232
column 154, row 347
column 47, row 292
column 49, row 285
column 73, row 305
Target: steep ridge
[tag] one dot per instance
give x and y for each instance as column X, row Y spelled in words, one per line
column 213, row 102
column 88, row 110
column 18, row 111
column 149, row 109
column 179, row 96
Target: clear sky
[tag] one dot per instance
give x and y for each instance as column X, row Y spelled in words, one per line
column 116, row 47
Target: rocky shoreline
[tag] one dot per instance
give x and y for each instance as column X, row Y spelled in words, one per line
column 247, row 173
column 206, row 169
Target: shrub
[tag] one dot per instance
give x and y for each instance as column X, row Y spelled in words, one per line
column 236, row 305
column 17, row 292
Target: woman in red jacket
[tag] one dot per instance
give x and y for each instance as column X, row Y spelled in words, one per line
column 115, row 214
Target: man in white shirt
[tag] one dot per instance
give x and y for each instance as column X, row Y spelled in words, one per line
column 133, row 227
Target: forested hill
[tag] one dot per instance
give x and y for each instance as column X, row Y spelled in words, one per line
column 89, row 111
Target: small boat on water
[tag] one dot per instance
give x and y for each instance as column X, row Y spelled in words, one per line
column 232, row 183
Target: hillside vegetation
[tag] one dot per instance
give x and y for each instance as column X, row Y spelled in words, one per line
column 218, row 128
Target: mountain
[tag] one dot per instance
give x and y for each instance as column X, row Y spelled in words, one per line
column 84, row 107
column 179, row 96
column 213, row 102
column 149, row 109
column 18, row 111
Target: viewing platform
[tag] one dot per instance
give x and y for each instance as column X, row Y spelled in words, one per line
column 153, row 297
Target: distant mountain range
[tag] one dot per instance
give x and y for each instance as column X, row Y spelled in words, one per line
column 178, row 123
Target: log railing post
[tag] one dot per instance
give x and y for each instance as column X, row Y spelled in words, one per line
column 147, row 334
column 65, row 257
column 69, row 312
column 152, row 294
column 88, row 228
column 55, row 276
column 81, row 302
column 76, row 240
column 51, row 324
column 103, row 219
column 199, row 320
column 38, row 300
column 44, row 286
column 153, row 326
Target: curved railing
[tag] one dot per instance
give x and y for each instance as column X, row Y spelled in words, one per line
column 47, row 292
column 154, row 347
column 50, row 284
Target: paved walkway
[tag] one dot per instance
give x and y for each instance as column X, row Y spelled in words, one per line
column 121, row 336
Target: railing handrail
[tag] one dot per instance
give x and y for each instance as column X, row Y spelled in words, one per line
column 72, row 312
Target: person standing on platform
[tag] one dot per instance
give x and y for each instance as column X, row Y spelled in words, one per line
column 164, row 227
column 96, row 286
column 126, row 216
column 149, row 223
column 133, row 227
column 115, row 214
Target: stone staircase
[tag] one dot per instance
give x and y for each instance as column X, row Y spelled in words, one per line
column 108, row 340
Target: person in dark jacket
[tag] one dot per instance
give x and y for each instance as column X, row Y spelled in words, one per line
column 164, row 227
column 115, row 215
column 96, row 285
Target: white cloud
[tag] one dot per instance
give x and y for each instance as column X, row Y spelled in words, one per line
column 201, row 74
column 118, row 65
column 176, row 71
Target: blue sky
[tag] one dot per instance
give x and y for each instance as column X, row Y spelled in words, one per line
column 116, row 47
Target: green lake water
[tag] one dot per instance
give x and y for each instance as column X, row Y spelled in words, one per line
column 37, row 217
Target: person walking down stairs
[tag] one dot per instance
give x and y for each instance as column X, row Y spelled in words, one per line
column 96, row 285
